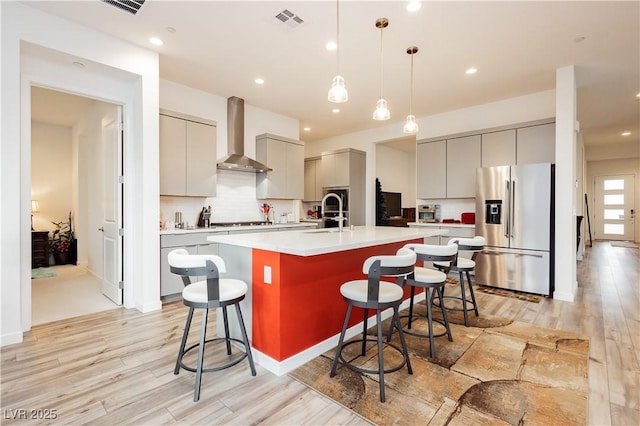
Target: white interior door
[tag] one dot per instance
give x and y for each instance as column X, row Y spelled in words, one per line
column 112, row 205
column 614, row 207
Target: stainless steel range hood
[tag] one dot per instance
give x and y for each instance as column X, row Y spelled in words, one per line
column 235, row 159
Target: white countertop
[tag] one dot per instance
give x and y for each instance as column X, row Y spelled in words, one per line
column 233, row 228
column 327, row 240
column 439, row 224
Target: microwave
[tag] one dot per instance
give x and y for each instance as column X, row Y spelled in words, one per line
column 332, row 204
column 429, row 213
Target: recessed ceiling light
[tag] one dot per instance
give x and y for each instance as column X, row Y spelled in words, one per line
column 77, row 64
column 335, row 110
column 471, row 71
column 625, row 133
column 307, row 129
column 171, row 30
column 156, row 41
column 331, row 45
column 638, row 96
column 259, row 81
column 414, row 5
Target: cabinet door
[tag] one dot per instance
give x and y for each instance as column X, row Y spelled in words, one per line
column 173, row 158
column 431, row 169
column 310, row 180
column 499, row 148
column 342, row 169
column 463, row 158
column 208, row 248
column 171, row 283
column 328, row 170
column 536, row 144
column 294, row 187
column 201, row 154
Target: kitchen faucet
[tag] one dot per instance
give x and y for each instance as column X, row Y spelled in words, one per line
column 340, row 218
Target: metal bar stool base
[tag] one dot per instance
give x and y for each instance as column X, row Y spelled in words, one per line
column 219, row 368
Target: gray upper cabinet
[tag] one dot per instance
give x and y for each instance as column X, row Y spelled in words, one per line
column 335, row 168
column 463, row 158
column 499, row 148
column 447, row 168
column 431, row 169
column 536, row 144
column 286, row 157
column 312, row 179
column 187, row 155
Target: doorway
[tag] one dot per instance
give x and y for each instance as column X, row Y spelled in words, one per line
column 70, row 164
column 614, row 207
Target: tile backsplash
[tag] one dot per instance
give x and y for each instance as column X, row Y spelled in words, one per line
column 235, row 201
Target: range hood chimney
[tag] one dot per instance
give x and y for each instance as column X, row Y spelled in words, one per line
column 235, row 159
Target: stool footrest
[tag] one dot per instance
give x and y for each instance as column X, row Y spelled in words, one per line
column 469, row 301
column 349, row 364
column 221, row 367
column 413, row 333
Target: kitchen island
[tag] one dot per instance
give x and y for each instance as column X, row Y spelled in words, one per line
column 294, row 310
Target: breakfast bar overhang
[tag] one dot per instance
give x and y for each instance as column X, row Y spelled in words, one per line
column 294, row 310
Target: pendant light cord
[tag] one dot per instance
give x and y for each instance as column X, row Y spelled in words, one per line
column 411, row 93
column 381, row 63
column 338, row 36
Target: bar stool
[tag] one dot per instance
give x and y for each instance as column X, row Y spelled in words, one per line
column 463, row 266
column 214, row 292
column 433, row 282
column 373, row 293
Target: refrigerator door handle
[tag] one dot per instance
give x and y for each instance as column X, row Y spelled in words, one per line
column 507, row 230
column 500, row 253
column 512, row 206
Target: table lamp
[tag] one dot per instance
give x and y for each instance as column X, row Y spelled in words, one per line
column 35, row 208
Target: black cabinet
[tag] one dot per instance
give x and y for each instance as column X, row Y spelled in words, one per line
column 39, row 249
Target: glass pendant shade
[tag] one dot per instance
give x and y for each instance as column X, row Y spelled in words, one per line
column 338, row 92
column 381, row 112
column 410, row 126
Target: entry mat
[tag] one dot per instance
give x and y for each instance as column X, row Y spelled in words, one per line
column 496, row 372
column 513, row 294
column 42, row 273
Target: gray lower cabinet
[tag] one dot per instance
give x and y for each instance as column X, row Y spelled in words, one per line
column 195, row 243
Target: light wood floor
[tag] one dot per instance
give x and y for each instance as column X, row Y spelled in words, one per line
column 116, row 367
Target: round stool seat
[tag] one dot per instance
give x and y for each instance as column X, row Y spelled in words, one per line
column 230, row 289
column 429, row 276
column 463, row 264
column 357, row 291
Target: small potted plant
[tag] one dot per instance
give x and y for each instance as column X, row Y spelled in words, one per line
column 61, row 241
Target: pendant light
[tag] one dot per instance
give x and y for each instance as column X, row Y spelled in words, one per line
column 338, row 93
column 381, row 112
column 410, row 126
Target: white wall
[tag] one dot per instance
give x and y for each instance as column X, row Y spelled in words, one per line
column 115, row 71
column 396, row 170
column 51, row 174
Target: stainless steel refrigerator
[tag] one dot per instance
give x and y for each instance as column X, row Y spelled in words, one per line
column 515, row 214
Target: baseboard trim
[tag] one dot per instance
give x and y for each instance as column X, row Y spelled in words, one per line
column 11, row 338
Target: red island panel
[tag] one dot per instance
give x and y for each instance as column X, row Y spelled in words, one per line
column 303, row 306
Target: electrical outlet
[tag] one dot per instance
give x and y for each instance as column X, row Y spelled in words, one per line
column 267, row 274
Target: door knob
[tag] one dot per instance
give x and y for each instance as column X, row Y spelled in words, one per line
column 101, row 229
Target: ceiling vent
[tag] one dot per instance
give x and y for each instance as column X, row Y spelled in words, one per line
column 289, row 18
column 131, row 6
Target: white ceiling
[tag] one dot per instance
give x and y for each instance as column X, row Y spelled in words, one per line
column 222, row 46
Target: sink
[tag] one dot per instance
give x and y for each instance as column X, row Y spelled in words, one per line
column 322, row 231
